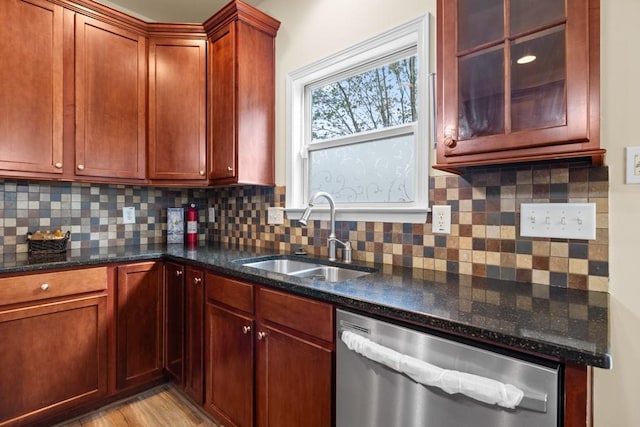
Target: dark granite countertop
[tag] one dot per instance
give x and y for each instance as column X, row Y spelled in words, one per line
column 564, row 324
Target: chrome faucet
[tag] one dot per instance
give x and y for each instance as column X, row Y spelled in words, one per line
column 331, row 241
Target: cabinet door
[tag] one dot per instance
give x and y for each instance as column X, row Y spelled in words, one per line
column 53, row 358
column 294, row 380
column 139, row 324
column 31, row 106
column 111, row 80
column 177, row 109
column 516, row 81
column 222, row 84
column 229, row 356
column 174, row 320
column 242, row 102
column 194, row 335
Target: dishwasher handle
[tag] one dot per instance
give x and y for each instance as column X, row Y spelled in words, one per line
column 480, row 388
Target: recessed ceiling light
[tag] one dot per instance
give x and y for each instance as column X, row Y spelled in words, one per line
column 526, row 59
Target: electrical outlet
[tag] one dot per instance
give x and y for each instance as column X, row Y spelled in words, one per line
column 559, row 220
column 441, row 219
column 275, row 216
column 633, row 165
column 128, row 215
column 212, row 215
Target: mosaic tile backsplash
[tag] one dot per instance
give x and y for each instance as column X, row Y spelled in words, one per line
column 484, row 241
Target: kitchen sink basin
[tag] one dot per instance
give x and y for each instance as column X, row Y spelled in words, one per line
column 284, row 266
column 329, row 273
column 307, row 269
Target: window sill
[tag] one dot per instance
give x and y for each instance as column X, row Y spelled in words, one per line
column 411, row 216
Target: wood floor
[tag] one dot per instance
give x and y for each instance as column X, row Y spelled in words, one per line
column 160, row 406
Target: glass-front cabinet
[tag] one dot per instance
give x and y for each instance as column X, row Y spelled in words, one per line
column 518, row 80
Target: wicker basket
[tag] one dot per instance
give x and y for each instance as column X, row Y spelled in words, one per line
column 48, row 246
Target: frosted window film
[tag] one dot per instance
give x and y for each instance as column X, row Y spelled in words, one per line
column 369, row 172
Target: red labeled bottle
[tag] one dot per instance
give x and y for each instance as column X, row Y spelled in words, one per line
column 192, row 225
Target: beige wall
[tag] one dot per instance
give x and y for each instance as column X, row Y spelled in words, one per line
column 313, row 29
column 616, row 391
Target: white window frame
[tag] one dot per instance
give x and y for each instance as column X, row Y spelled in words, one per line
column 413, row 34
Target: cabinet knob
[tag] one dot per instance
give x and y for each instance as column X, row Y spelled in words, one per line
column 449, row 142
column 450, row 137
column 201, row 173
column 58, row 165
column 197, row 280
column 229, row 169
column 44, row 286
column 246, row 329
column 261, row 335
column 80, row 167
column 178, row 273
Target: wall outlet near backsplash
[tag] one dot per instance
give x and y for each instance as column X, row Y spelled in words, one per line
column 441, row 217
column 275, row 216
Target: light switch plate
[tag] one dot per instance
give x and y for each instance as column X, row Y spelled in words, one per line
column 633, row 165
column 559, row 220
column 129, row 215
column 441, row 219
column 275, row 216
column 212, row 215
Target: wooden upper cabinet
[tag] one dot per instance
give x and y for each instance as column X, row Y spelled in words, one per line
column 110, row 87
column 517, row 83
column 31, row 85
column 241, row 95
column 177, row 109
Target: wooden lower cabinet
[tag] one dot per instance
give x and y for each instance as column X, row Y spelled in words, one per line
column 194, row 335
column 230, row 366
column 174, row 321
column 229, row 350
column 294, row 360
column 139, row 329
column 264, row 346
column 294, row 380
column 53, row 355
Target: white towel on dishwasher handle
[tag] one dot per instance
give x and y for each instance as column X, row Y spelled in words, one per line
column 476, row 387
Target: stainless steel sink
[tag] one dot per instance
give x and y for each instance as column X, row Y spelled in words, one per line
column 307, row 269
column 284, row 266
column 329, row 273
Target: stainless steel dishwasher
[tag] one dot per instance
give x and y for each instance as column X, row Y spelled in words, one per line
column 388, row 375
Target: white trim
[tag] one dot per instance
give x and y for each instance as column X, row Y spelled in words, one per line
column 411, row 34
column 409, row 215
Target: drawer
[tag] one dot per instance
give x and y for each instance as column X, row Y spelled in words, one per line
column 232, row 293
column 302, row 314
column 34, row 287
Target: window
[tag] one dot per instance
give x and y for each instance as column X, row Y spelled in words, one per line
column 359, row 125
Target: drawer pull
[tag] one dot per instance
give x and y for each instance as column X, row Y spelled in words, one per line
column 246, row 329
column 178, row 273
column 197, row 280
column 58, row 165
column 80, row 167
column 44, row 286
column 261, row 335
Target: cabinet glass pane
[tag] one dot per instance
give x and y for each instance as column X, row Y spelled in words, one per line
column 479, row 22
column 481, row 93
column 538, row 88
column 530, row 14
